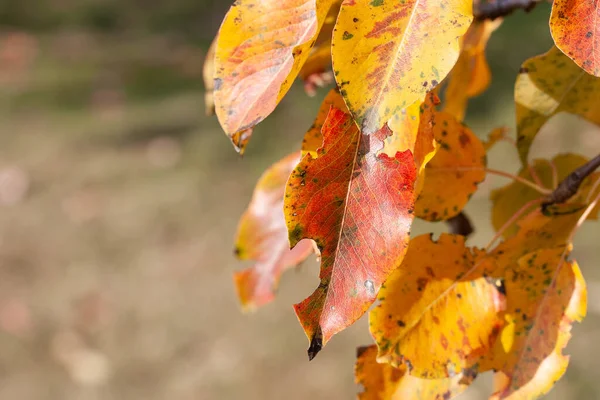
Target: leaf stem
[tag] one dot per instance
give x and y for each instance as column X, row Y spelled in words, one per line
column 520, row 179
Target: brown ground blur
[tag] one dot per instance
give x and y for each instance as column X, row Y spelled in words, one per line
column 119, row 201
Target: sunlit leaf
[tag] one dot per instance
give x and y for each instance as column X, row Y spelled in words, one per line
column 384, row 382
column 471, row 75
column 262, row 237
column 382, row 60
column 507, row 200
column 438, row 299
column 452, row 175
column 576, row 31
column 357, row 206
column 546, row 295
column 261, row 47
column 547, row 85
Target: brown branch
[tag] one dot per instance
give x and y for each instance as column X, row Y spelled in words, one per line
column 569, row 186
column 460, row 224
column 492, row 9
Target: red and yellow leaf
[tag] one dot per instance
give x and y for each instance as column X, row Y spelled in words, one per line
column 384, row 382
column 357, row 206
column 454, row 172
column 262, row 237
column 471, row 75
column 438, row 299
column 382, row 60
column 575, row 28
column 313, row 139
column 547, row 85
column 261, row 47
column 546, row 295
column 507, row 200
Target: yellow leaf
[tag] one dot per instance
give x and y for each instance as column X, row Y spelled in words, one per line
column 438, row 299
column 384, row 382
column 382, row 60
column 261, row 47
column 471, row 75
column 576, row 31
column 208, row 73
column 507, row 200
column 547, row 85
column 454, row 172
column 262, row 237
column 546, row 295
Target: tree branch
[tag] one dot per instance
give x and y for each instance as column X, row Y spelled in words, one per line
column 460, row 224
column 569, row 186
column 492, row 9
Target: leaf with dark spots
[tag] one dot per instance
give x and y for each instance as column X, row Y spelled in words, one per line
column 384, row 382
column 262, row 237
column 385, row 58
column 354, row 203
column 423, row 292
column 260, row 49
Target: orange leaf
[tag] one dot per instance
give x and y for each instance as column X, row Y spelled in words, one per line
column 384, row 382
column 261, row 47
column 382, row 60
column 313, row 139
column 357, row 206
column 547, row 85
column 576, row 32
column 262, row 236
column 438, row 299
column 546, row 295
column 454, row 172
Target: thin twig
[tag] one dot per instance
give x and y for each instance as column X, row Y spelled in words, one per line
column 517, row 178
column 460, row 224
column 493, row 9
column 554, row 173
column 569, row 186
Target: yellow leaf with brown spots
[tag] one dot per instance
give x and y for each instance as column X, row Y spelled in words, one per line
column 438, row 299
column 384, row 382
column 382, row 60
column 454, row 172
column 575, row 28
column 546, row 294
column 507, row 200
column 471, row 75
column 261, row 47
column 262, row 237
column 547, row 85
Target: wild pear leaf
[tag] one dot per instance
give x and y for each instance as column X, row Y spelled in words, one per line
column 313, row 139
column 208, row 72
column 384, row 382
column 438, row 299
column 357, row 206
column 576, row 32
column 454, row 172
column 547, row 85
column 261, row 47
column 471, row 75
column 546, row 295
column 262, row 237
column 382, row 60
column 507, row 200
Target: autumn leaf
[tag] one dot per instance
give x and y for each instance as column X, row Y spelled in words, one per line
column 547, row 85
column 261, row 47
column 576, row 32
column 471, row 75
column 384, row 382
column 454, row 172
column 546, row 295
column 208, row 72
column 438, row 299
column 382, row 60
column 357, row 206
column 313, row 139
column 508, row 200
column 262, row 237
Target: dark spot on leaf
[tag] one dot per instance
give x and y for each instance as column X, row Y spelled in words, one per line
column 401, row 324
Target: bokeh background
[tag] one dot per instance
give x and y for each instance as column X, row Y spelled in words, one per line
column 119, row 201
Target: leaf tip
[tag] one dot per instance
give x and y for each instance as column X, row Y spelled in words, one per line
column 316, row 344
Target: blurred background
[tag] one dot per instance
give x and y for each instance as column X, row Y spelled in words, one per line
column 119, row 202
